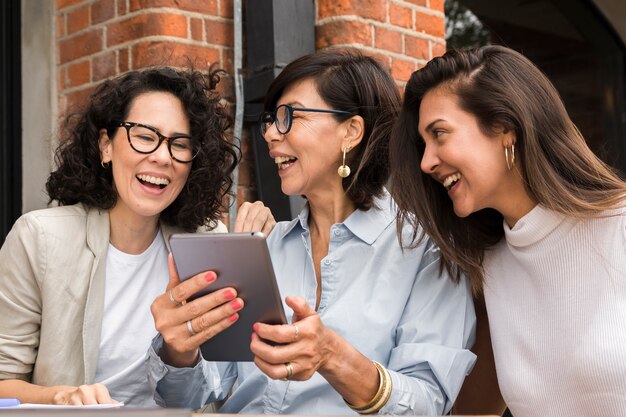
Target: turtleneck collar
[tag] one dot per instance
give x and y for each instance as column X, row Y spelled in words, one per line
column 535, row 226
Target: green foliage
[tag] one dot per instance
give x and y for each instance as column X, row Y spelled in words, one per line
column 463, row 28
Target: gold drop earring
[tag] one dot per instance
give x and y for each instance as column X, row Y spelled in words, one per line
column 344, row 170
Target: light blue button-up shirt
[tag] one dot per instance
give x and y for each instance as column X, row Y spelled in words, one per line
column 390, row 304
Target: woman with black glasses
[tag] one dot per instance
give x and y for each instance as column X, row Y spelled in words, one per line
column 148, row 156
column 375, row 328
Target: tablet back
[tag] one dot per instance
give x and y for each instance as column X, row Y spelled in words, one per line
column 241, row 261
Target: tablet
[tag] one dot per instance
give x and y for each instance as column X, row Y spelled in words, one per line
column 241, row 261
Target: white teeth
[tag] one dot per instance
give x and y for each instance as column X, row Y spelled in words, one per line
column 153, row 180
column 281, row 159
column 284, row 161
column 451, row 180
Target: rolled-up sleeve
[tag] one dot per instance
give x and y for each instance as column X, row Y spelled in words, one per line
column 206, row 382
column 432, row 358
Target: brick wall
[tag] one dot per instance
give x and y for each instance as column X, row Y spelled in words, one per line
column 403, row 35
column 97, row 39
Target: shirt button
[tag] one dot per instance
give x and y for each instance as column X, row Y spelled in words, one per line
column 337, row 232
column 327, row 262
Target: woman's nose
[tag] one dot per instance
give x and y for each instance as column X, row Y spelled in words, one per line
column 272, row 134
column 430, row 161
column 162, row 153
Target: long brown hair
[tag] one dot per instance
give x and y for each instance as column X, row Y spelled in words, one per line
column 502, row 88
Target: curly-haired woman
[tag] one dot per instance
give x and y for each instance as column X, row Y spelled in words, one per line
column 149, row 156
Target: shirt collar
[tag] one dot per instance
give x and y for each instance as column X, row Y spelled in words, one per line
column 366, row 225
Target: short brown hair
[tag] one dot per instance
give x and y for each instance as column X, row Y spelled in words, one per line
column 352, row 82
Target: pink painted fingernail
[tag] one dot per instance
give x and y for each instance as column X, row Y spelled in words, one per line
column 234, row 317
column 229, row 295
column 236, row 305
column 210, row 276
column 256, row 327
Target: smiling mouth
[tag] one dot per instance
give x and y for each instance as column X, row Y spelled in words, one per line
column 284, row 161
column 153, row 181
column 451, row 181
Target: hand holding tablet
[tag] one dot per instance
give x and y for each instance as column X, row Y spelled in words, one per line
column 242, row 262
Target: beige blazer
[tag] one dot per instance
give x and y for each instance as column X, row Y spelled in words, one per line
column 52, row 294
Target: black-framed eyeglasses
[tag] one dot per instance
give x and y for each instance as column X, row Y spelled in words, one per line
column 282, row 117
column 147, row 139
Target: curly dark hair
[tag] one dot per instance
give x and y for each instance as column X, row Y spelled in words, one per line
column 80, row 177
column 350, row 81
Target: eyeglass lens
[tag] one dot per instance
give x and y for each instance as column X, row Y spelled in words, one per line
column 281, row 117
column 146, row 141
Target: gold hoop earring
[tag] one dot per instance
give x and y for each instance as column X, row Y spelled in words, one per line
column 509, row 158
column 344, row 170
column 105, row 165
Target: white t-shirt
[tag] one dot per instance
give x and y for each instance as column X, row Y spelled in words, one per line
column 132, row 283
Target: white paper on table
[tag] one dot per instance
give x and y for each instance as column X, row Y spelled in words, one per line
column 63, row 407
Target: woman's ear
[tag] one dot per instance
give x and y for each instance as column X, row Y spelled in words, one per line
column 104, row 143
column 355, row 129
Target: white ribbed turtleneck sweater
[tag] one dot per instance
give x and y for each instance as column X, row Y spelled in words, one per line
column 555, row 290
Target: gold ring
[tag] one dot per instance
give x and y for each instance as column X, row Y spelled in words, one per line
column 192, row 332
column 169, row 293
column 295, row 336
column 289, row 371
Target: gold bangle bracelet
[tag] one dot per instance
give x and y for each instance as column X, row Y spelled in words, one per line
column 384, row 398
column 382, row 394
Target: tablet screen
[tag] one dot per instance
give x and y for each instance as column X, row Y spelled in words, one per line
column 241, row 261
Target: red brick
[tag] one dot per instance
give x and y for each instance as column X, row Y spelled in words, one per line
column 219, row 33
column 60, row 26
column 62, row 4
column 401, row 69
column 369, row 9
column 146, row 54
column 81, row 45
column 204, row 6
column 150, row 24
column 77, row 19
column 416, row 47
column 437, row 5
column 343, row 32
column 121, row 8
column 226, row 8
column 75, row 101
column 196, row 29
column 226, row 87
column 123, row 60
column 103, row 66
column 438, row 49
column 382, row 58
column 400, row 16
column 101, row 11
column 61, row 78
column 389, row 40
column 227, row 60
column 418, row 2
column 78, row 73
column 431, row 24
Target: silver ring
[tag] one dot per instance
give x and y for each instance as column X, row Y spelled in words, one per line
column 192, row 332
column 169, row 293
column 295, row 336
column 289, row 371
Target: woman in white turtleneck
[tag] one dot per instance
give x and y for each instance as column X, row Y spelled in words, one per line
column 513, row 196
